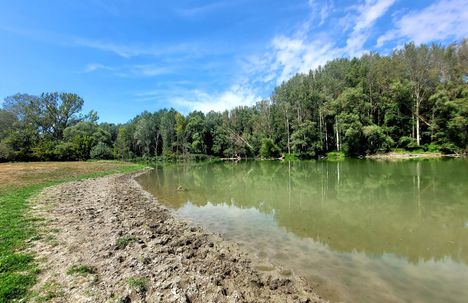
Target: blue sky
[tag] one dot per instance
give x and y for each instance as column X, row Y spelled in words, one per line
column 124, row 56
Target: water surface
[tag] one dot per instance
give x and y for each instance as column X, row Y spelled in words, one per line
column 359, row 230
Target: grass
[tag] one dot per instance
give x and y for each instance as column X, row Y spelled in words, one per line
column 122, row 242
column 81, row 270
column 50, row 290
column 138, row 284
column 335, row 156
column 18, row 182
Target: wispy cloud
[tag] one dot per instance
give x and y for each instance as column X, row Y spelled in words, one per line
column 92, row 67
column 128, row 50
column 309, row 47
column 138, row 70
column 203, row 101
column 187, row 99
column 203, row 9
column 440, row 21
column 321, row 10
column 298, row 55
column 368, row 14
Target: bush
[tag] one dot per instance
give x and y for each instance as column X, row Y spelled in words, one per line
column 407, row 143
column 66, row 151
column 101, row 151
column 432, row 148
column 334, row 156
column 449, row 148
column 6, row 153
column 44, row 150
column 377, row 140
column 269, row 149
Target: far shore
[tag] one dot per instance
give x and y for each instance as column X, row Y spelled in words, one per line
column 409, row 155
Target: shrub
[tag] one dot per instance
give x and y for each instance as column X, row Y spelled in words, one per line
column 6, row 153
column 101, row 151
column 66, row 151
column 269, row 149
column 333, row 156
column 377, row 140
column 407, row 142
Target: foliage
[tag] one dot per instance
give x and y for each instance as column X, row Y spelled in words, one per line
column 415, row 98
column 101, row 151
column 269, row 149
column 6, row 153
column 334, row 156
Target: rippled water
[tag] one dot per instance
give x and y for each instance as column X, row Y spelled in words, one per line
column 360, row 230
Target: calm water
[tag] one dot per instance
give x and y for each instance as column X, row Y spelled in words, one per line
column 359, row 230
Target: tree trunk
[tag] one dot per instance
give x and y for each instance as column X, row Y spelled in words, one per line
column 287, row 127
column 418, row 138
column 337, row 135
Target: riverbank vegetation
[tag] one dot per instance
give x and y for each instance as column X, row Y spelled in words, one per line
column 413, row 99
column 18, row 183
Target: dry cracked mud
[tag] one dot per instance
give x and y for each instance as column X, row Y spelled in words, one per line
column 107, row 240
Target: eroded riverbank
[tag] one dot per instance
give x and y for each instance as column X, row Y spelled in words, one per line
column 132, row 249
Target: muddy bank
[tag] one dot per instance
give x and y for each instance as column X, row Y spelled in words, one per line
column 107, row 240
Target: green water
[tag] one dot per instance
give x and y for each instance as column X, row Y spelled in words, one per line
column 358, row 230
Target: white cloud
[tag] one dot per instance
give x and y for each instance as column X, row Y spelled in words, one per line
column 321, row 11
column 200, row 100
column 204, row 8
column 368, row 14
column 134, row 50
column 92, row 67
column 440, row 21
column 138, row 70
column 298, row 55
column 308, row 48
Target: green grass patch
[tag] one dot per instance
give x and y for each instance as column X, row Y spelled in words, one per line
column 18, row 270
column 335, row 156
column 49, row 291
column 138, row 284
column 124, row 241
column 290, row 157
column 81, row 270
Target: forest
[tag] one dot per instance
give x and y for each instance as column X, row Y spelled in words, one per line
column 414, row 99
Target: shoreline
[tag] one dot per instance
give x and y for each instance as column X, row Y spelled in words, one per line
column 403, row 156
column 135, row 250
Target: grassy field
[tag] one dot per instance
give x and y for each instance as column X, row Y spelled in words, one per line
column 18, row 182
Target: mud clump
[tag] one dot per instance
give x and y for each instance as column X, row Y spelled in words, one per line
column 140, row 252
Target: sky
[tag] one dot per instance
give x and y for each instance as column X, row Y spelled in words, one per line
column 124, row 56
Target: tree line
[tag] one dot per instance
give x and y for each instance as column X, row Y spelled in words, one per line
column 415, row 99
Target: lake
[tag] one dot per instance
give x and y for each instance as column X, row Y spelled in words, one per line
column 358, row 230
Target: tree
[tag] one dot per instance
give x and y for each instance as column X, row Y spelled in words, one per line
column 101, row 151
column 195, row 133
column 422, row 76
column 269, row 149
column 305, row 140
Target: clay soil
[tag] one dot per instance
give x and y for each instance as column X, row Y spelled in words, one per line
column 107, row 240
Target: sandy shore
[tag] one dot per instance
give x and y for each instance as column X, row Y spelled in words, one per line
column 400, row 156
column 134, row 250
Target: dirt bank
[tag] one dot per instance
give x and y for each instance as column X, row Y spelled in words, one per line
column 398, row 156
column 107, row 240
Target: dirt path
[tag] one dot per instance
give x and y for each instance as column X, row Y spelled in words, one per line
column 126, row 247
